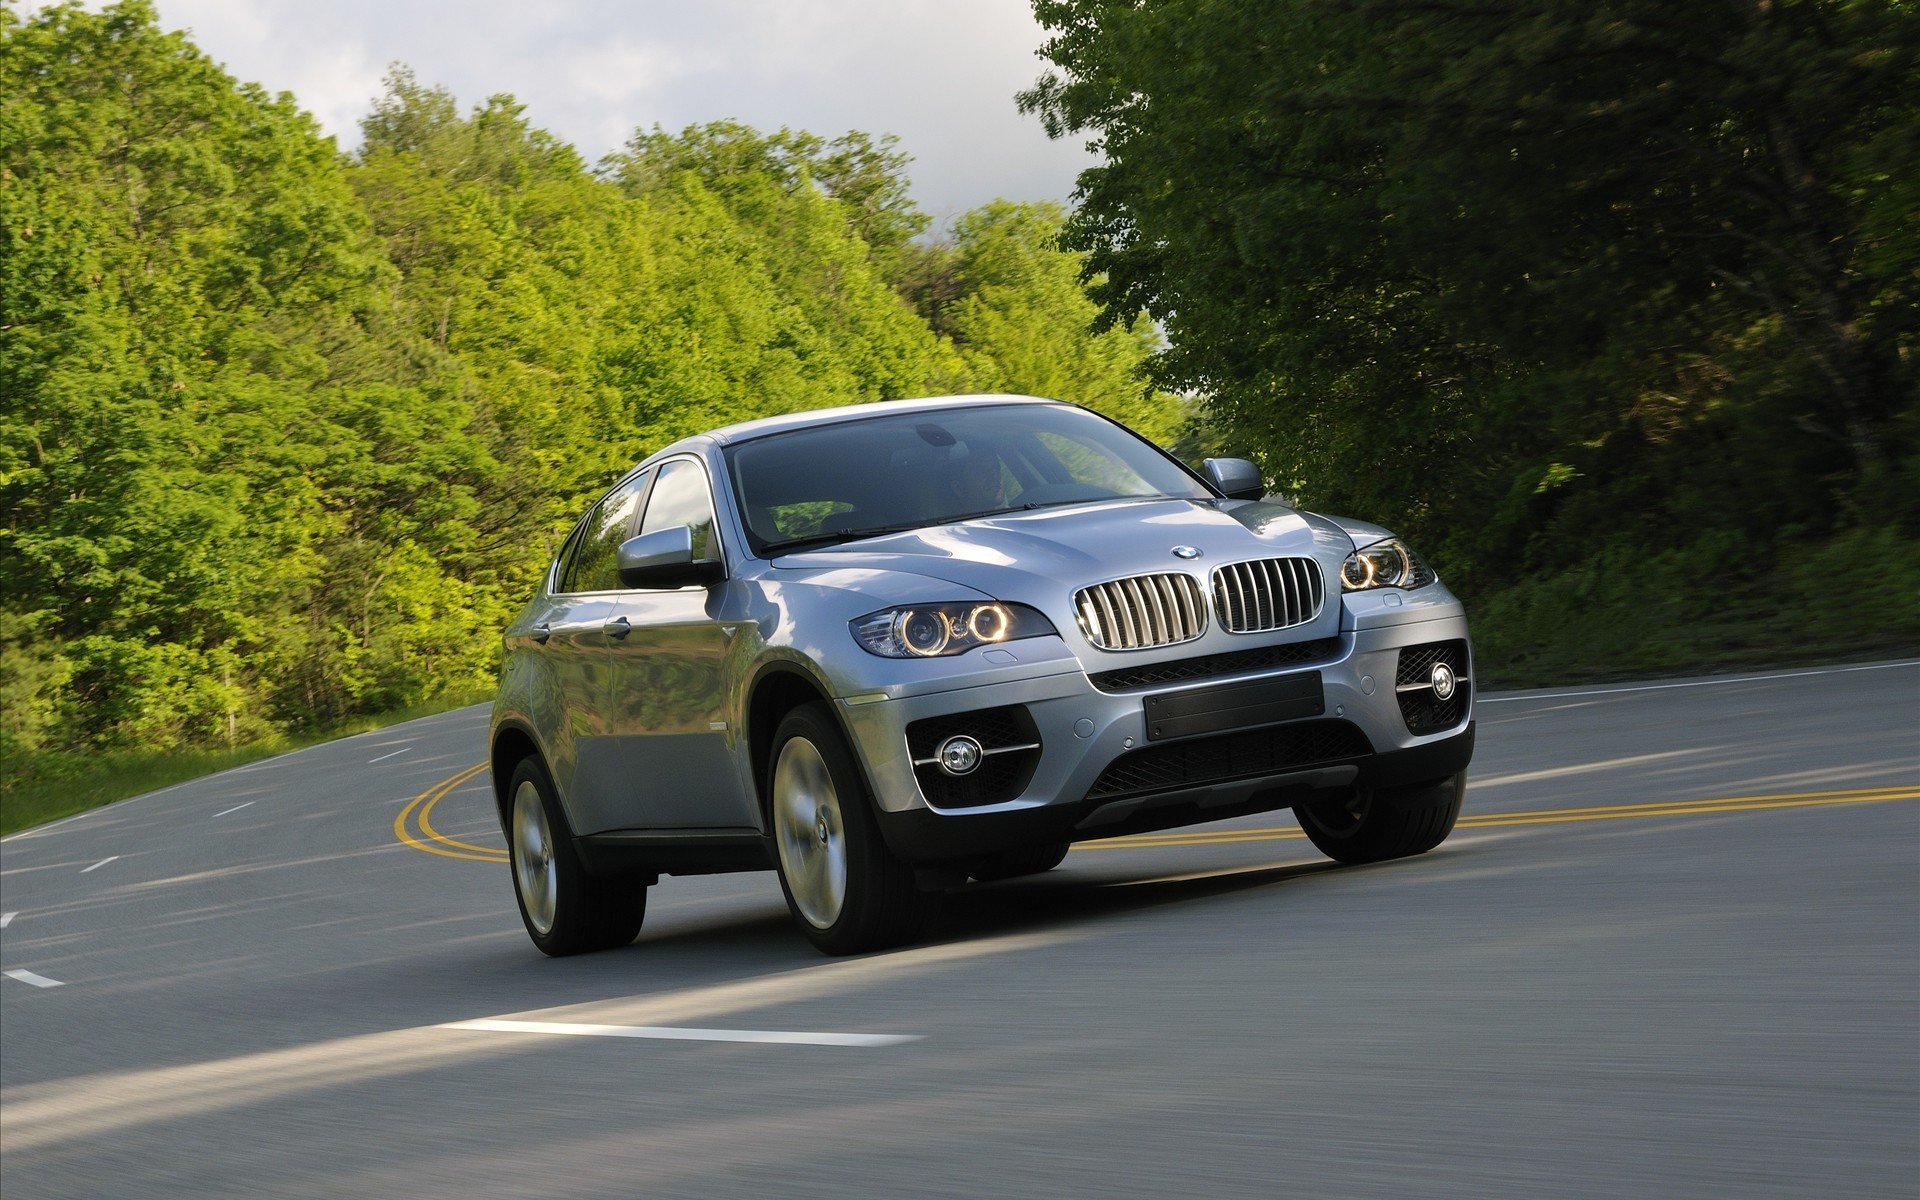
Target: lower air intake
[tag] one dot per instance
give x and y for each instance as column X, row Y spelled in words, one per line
column 1229, row 756
column 1424, row 709
column 1011, row 745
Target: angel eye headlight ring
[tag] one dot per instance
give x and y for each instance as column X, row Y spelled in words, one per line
column 924, row 632
column 989, row 623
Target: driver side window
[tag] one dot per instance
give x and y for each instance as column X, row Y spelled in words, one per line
column 681, row 498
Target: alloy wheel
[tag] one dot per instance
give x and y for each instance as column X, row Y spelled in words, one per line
column 533, row 870
column 810, row 833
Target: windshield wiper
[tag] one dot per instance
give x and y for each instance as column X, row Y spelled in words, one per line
column 844, row 535
column 857, row 535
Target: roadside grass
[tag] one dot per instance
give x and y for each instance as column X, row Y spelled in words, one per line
column 51, row 786
column 1725, row 646
column 1716, row 605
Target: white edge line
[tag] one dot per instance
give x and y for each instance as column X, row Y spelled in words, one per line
column 1661, row 687
column 675, row 1034
column 37, row 830
column 6, row 919
column 30, row 977
column 236, row 808
column 385, row 757
column 103, row 862
column 50, row 825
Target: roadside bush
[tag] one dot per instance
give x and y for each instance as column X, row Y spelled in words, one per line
column 1720, row 600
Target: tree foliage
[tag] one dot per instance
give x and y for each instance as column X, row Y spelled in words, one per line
column 1519, row 274
column 286, row 435
column 1015, row 292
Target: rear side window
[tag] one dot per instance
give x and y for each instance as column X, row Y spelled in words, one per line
column 594, row 564
column 681, row 498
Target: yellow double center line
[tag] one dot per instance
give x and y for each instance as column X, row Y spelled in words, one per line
column 418, row 814
column 414, row 825
column 1549, row 816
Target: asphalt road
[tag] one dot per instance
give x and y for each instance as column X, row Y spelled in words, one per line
column 1673, row 950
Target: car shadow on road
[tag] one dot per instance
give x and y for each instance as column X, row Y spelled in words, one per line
column 1024, row 904
column 974, row 911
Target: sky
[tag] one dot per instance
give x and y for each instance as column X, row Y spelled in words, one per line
column 940, row 75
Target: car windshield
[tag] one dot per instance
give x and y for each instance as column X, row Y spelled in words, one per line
column 885, row 474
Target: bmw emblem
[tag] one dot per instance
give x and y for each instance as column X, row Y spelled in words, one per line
column 1186, row 552
column 1443, row 681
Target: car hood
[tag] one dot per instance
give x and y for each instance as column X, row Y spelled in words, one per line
column 1040, row 558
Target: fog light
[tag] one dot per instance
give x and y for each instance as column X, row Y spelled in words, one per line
column 960, row 754
column 1443, row 681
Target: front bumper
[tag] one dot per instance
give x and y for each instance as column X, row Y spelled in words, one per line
column 1083, row 730
column 927, row 836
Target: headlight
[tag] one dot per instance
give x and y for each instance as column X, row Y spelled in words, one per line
column 1384, row 564
column 931, row 630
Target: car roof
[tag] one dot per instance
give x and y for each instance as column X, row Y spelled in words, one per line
column 748, row 430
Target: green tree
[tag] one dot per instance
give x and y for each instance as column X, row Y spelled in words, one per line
column 770, row 300
column 1511, row 274
column 1024, row 323
column 865, row 178
column 174, row 243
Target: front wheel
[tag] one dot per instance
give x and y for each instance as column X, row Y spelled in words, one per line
column 847, row 891
column 1370, row 825
column 565, row 909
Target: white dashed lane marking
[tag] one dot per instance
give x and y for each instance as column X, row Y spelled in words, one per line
column 236, row 808
column 385, row 757
column 39, row 981
column 103, row 862
column 670, row 1033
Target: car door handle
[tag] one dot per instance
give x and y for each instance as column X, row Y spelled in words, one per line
column 619, row 627
column 542, row 632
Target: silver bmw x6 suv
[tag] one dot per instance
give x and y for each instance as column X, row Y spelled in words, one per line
column 887, row 648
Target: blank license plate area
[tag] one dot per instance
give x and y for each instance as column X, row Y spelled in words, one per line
column 1235, row 706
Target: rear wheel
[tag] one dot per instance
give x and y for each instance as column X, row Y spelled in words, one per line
column 1029, row 860
column 1369, row 825
column 565, row 909
column 847, row 891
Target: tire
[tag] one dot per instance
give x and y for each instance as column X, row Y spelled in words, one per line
column 1373, row 825
column 846, row 890
column 1029, row 860
column 565, row 909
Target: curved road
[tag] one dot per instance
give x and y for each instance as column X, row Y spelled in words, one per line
column 1673, row 950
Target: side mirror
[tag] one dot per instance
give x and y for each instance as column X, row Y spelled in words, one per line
column 1236, row 478
column 664, row 559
